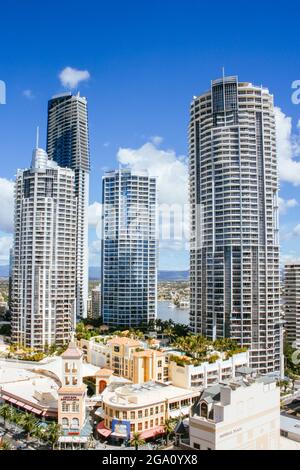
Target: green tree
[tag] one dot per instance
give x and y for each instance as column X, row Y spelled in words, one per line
column 169, row 429
column 29, row 423
column 5, row 413
column 40, row 433
column 53, row 433
column 136, row 441
column 5, row 445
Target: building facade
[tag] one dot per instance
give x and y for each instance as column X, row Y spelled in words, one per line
column 68, row 145
column 143, row 409
column 95, row 303
column 129, row 249
column 292, row 303
column 43, row 273
column 72, row 393
column 238, row 415
column 205, row 374
column 144, row 361
column 235, row 282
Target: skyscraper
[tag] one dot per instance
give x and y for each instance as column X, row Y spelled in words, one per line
column 292, row 303
column 235, row 285
column 68, row 145
column 43, row 273
column 129, row 248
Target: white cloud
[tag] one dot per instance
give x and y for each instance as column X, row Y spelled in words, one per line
column 94, row 214
column 7, row 205
column 288, row 234
column 285, row 204
column 5, row 245
column 28, row 94
column 70, row 77
column 157, row 140
column 288, row 147
column 171, row 170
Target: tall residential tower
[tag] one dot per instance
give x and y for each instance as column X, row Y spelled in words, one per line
column 235, row 285
column 292, row 303
column 68, row 145
column 129, row 248
column 43, row 271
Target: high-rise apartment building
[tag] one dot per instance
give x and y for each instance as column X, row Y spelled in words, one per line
column 292, row 303
column 95, row 303
column 235, row 283
column 68, row 145
column 129, row 248
column 43, row 272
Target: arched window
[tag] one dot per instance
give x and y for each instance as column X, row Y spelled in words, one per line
column 65, row 423
column 75, row 407
column 204, row 410
column 75, row 423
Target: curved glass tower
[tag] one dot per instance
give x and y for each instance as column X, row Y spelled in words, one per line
column 68, row 146
column 235, row 285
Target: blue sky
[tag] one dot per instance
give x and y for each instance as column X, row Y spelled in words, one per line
column 145, row 62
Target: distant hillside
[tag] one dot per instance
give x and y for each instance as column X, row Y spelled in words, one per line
column 95, row 274
column 173, row 275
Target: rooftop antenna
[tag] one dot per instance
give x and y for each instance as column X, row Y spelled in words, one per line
column 37, row 137
column 223, row 72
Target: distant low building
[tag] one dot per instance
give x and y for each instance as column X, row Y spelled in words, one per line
column 95, row 305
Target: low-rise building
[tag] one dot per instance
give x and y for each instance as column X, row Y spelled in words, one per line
column 290, row 427
column 143, row 409
column 129, row 358
column 183, row 373
column 243, row 414
column 144, row 361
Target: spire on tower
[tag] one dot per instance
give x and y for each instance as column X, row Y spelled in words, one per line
column 37, row 137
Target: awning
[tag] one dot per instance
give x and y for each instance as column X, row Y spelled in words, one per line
column 102, row 430
column 152, row 432
column 21, row 404
column 27, row 407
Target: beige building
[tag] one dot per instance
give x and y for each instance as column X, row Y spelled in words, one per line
column 140, row 362
column 129, row 358
column 143, row 409
column 72, row 394
column 240, row 415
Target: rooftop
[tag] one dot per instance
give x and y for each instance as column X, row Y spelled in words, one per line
column 119, row 340
column 128, row 396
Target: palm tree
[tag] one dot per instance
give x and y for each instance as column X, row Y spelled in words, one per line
column 40, row 434
column 29, row 423
column 5, row 413
column 53, row 433
column 5, row 445
column 136, row 441
column 16, row 417
column 168, row 428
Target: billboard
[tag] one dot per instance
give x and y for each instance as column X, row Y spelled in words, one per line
column 121, row 427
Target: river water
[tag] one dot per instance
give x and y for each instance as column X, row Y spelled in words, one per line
column 178, row 315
